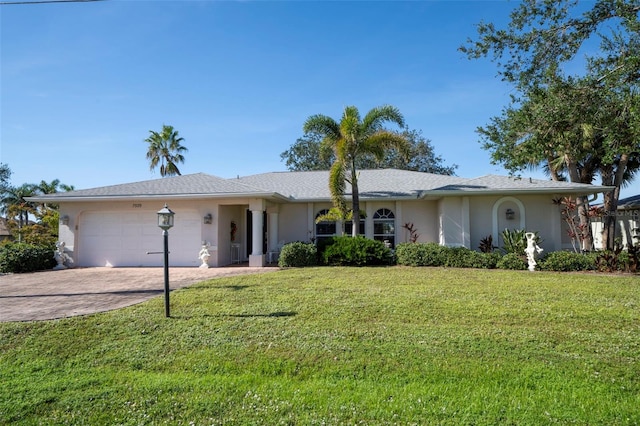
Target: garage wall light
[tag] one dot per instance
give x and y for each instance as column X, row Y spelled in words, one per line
column 65, row 220
column 208, row 219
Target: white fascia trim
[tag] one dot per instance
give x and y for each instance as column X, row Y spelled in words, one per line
column 505, row 192
column 272, row 195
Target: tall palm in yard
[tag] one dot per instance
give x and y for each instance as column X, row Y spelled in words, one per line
column 350, row 139
column 165, row 149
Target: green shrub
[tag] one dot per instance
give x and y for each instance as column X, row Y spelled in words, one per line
column 420, row 254
column 515, row 240
column 513, row 261
column 298, row 254
column 357, row 251
column 564, row 261
column 484, row 260
column 432, row 254
column 21, row 257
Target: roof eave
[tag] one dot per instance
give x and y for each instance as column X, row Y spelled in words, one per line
column 125, row 197
column 511, row 191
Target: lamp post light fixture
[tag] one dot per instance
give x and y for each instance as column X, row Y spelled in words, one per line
column 165, row 221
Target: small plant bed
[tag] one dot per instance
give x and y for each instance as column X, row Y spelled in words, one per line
column 338, row 345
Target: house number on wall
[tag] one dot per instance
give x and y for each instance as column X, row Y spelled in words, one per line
column 137, row 206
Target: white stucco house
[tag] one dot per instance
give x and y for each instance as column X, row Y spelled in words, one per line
column 246, row 219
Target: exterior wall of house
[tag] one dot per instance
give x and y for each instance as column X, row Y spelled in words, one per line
column 544, row 217
column 488, row 216
column 297, row 221
column 216, row 234
column 451, row 221
column 453, row 216
column 293, row 223
column 423, row 215
column 481, row 220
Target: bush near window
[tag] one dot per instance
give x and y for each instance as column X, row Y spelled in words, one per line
column 357, row 251
column 298, row 254
column 512, row 261
column 22, row 257
column 565, row 261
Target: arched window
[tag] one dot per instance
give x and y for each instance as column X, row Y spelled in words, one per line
column 324, row 229
column 384, row 226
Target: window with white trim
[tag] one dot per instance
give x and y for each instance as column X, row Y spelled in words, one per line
column 384, row 226
column 324, row 229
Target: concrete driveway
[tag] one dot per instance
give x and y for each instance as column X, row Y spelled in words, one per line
column 50, row 295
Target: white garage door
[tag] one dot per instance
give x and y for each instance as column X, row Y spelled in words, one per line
column 124, row 238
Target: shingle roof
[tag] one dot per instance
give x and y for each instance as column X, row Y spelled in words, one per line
column 510, row 183
column 381, row 183
column 198, row 184
column 393, row 183
column 309, row 186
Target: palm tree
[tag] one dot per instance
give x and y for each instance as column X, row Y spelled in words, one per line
column 350, row 139
column 13, row 204
column 52, row 187
column 165, row 149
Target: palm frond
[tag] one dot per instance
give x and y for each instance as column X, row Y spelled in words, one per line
column 337, row 186
column 323, row 125
column 377, row 116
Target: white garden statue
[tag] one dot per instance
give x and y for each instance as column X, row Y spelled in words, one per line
column 204, row 256
column 60, row 256
column 531, row 250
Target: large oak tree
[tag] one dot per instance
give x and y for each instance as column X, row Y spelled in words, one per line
column 575, row 124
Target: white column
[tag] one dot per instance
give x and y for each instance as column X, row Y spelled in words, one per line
column 257, row 257
column 466, row 223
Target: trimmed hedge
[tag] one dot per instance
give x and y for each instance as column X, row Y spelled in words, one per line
column 420, row 254
column 357, row 251
column 565, row 261
column 22, row 257
column 433, row 254
column 298, row 254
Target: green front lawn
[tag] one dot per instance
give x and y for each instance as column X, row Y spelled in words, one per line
column 340, row 346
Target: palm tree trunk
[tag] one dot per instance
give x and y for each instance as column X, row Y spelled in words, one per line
column 611, row 202
column 582, row 205
column 355, row 197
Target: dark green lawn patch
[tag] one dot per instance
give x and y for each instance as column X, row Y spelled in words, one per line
column 340, row 346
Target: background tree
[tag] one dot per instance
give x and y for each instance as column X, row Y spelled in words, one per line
column 31, row 222
column 165, row 149
column 584, row 125
column 5, row 174
column 16, row 207
column 308, row 153
column 350, row 139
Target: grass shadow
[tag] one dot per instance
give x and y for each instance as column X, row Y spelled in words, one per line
column 272, row 314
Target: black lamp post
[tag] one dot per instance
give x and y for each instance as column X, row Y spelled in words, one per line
column 165, row 221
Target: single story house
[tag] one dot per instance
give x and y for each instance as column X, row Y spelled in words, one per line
column 5, row 234
column 627, row 223
column 249, row 218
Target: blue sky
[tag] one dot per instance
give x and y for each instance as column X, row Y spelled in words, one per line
column 82, row 84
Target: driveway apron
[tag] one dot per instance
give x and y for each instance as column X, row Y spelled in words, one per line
column 50, row 295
